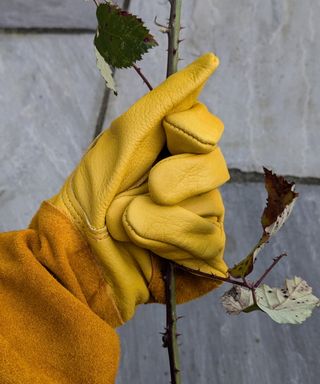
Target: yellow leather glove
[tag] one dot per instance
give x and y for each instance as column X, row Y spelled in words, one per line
column 126, row 203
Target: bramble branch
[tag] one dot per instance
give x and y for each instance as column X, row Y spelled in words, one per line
column 169, row 277
column 244, row 283
column 275, row 261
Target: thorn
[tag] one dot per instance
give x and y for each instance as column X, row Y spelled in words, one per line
column 165, row 341
column 164, row 29
column 180, row 41
column 179, row 317
column 178, row 334
column 182, row 27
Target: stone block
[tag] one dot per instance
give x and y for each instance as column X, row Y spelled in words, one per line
column 266, row 89
column 49, row 102
column 66, row 14
column 47, row 14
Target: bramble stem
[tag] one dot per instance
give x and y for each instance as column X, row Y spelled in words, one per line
column 169, row 277
column 243, row 283
column 145, row 80
column 275, row 261
column 173, row 36
column 96, row 3
column 170, row 335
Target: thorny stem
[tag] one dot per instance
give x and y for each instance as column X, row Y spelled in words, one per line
column 243, row 283
column 173, row 36
column 145, row 80
column 96, row 3
column 275, row 261
column 212, row 276
column 171, row 335
column 169, row 277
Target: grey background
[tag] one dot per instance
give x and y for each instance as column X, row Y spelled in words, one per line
column 266, row 91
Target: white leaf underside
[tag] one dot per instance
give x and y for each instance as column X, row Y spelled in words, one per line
column 292, row 304
column 236, row 300
column 281, row 219
column 105, row 71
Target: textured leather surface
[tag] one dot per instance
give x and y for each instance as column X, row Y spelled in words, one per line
column 128, row 204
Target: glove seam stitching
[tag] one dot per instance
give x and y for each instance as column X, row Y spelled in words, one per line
column 190, row 134
column 94, row 236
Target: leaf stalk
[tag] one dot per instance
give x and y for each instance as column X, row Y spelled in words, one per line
column 145, row 80
column 243, row 283
column 275, row 261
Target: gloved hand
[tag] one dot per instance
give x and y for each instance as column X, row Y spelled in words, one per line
column 129, row 205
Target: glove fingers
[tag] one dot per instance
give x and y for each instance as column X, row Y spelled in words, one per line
column 208, row 205
column 176, row 234
column 138, row 133
column 195, row 130
column 180, row 177
column 124, row 154
column 116, row 210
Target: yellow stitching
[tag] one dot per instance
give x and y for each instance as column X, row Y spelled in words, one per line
column 104, row 228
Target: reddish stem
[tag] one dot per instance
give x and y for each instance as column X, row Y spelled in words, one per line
column 138, row 70
column 213, row 277
column 275, row 261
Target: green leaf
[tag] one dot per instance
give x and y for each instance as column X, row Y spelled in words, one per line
column 290, row 305
column 106, row 71
column 121, row 37
column 281, row 199
column 245, row 266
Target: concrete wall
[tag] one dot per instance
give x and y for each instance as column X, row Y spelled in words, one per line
column 266, row 91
